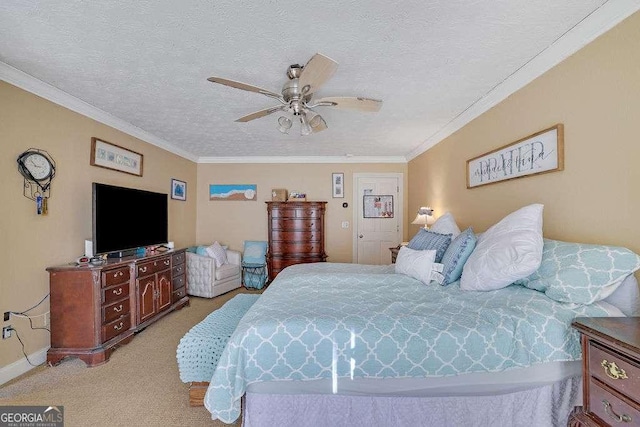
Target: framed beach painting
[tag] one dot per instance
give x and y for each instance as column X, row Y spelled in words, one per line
column 239, row 192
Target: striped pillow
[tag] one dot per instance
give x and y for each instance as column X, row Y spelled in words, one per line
column 457, row 254
column 428, row 240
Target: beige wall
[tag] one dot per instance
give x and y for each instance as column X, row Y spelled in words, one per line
column 232, row 222
column 31, row 243
column 596, row 199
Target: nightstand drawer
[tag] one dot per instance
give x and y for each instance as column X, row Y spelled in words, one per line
column 610, row 408
column 615, row 370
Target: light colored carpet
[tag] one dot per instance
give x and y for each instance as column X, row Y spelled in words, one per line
column 139, row 385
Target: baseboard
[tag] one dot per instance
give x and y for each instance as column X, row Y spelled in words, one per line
column 19, row 367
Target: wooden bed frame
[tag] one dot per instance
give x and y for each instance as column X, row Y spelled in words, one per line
column 197, row 390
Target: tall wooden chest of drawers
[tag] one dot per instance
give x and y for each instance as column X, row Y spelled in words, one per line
column 611, row 372
column 296, row 234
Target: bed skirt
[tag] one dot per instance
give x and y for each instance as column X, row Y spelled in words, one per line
column 548, row 405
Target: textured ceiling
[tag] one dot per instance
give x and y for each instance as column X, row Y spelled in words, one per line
column 146, row 62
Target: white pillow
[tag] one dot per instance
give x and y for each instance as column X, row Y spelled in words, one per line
column 508, row 251
column 446, row 224
column 218, row 253
column 416, row 264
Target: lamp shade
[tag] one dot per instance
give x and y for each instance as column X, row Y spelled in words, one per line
column 424, row 217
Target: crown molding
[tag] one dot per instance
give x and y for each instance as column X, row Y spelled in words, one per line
column 51, row 93
column 304, row 159
column 597, row 23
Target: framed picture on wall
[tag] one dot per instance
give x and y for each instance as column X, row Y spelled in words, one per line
column 377, row 206
column 178, row 190
column 111, row 156
column 338, row 185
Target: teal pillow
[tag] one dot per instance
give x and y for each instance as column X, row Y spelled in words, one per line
column 425, row 240
column 581, row 273
column 202, row 250
column 255, row 252
column 457, row 254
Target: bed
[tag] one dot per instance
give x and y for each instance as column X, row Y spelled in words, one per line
column 271, row 358
column 347, row 344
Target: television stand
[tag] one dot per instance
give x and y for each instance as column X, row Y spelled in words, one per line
column 96, row 309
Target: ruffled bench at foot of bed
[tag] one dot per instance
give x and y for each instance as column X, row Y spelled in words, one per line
column 200, row 349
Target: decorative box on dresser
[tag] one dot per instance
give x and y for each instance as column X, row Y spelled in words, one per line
column 611, row 372
column 296, row 234
column 94, row 309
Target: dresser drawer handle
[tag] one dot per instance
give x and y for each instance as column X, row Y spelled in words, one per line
column 118, row 326
column 167, row 262
column 118, row 309
column 624, row 418
column 613, row 371
column 180, row 293
column 117, row 292
column 143, row 269
column 118, row 274
column 179, row 269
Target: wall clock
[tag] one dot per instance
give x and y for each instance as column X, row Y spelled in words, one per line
column 34, row 165
column 38, row 169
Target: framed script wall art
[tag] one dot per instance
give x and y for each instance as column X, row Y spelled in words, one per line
column 541, row 152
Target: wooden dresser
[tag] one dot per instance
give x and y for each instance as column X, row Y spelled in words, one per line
column 96, row 308
column 611, row 372
column 296, row 234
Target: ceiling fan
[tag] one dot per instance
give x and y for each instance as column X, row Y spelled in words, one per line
column 296, row 97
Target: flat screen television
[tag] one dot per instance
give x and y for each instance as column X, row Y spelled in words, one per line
column 126, row 218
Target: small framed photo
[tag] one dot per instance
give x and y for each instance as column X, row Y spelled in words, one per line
column 178, row 190
column 338, row 185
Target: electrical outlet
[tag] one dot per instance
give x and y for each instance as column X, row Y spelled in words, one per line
column 6, row 332
column 7, row 315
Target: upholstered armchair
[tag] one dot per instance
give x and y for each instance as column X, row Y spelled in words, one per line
column 206, row 279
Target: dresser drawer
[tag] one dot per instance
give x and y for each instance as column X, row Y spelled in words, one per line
column 116, row 327
column 178, row 282
column 296, row 236
column 611, row 408
column 115, row 276
column 178, row 294
column 115, row 293
column 150, row 267
column 178, row 270
column 296, row 224
column 303, row 248
column 296, row 213
column 178, row 259
column 113, row 311
column 603, row 361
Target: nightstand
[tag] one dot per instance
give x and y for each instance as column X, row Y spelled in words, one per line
column 394, row 253
column 610, row 371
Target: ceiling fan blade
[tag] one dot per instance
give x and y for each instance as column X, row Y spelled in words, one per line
column 243, row 86
column 316, row 72
column 353, row 103
column 259, row 114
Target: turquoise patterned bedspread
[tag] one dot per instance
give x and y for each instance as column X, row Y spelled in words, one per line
column 338, row 320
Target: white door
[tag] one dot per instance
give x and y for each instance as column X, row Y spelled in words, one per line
column 378, row 217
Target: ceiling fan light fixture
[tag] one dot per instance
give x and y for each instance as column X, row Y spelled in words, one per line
column 316, row 122
column 305, row 128
column 284, row 124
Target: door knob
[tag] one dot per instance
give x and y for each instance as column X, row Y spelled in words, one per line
column 361, row 236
